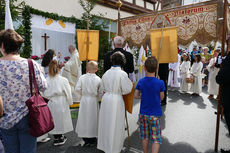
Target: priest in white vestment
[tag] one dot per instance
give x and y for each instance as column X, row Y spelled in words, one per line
column 173, row 79
column 60, row 97
column 89, row 86
column 72, row 71
column 213, row 87
column 196, row 69
column 111, row 129
column 184, row 68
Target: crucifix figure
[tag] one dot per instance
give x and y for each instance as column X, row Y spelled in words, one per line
column 45, row 40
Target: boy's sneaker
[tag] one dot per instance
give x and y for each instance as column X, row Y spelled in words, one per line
column 61, row 141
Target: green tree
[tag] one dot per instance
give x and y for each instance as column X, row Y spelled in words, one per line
column 96, row 23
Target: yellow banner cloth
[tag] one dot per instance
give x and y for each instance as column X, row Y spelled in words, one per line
column 128, row 99
column 93, row 44
column 169, row 52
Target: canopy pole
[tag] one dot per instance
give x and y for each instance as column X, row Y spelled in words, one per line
column 222, row 54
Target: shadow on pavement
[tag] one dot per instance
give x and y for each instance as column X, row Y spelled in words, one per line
column 214, row 103
column 166, row 147
column 187, row 98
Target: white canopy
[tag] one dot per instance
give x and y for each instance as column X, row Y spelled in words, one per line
column 60, row 35
column 40, row 23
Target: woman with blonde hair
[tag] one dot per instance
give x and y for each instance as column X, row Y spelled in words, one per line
column 59, row 93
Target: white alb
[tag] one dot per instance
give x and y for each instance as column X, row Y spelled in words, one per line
column 196, row 69
column 213, row 87
column 173, row 75
column 60, row 97
column 184, row 69
column 90, row 88
column 111, row 130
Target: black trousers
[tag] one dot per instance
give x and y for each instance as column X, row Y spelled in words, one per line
column 163, row 74
column 227, row 117
column 90, row 140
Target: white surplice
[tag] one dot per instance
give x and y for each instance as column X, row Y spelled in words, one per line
column 184, row 69
column 111, row 130
column 174, row 75
column 196, row 69
column 89, row 86
column 60, row 97
column 72, row 71
column 213, row 87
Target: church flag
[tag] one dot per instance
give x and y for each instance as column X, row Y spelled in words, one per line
column 141, row 62
column 126, row 47
column 8, row 19
column 169, row 53
column 148, row 50
column 113, row 45
column 93, row 44
column 132, row 76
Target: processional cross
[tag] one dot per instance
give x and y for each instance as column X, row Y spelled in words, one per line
column 87, row 43
column 45, row 40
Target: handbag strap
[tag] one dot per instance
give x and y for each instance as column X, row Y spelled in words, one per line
column 32, row 78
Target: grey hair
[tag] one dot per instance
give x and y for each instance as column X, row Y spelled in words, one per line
column 71, row 47
column 118, row 40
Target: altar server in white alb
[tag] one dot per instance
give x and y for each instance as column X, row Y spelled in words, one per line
column 174, row 71
column 213, row 87
column 89, row 86
column 111, row 130
column 72, row 71
column 196, row 69
column 184, row 68
column 59, row 93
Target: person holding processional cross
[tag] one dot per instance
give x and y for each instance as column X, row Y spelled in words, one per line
column 72, row 71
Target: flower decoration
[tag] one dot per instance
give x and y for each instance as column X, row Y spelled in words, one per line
column 35, row 57
column 66, row 58
column 42, row 56
column 186, row 20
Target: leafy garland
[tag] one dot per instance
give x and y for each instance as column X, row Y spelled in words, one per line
column 27, row 34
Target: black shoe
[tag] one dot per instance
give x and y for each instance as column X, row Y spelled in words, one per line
column 224, row 151
column 87, row 144
column 163, row 104
column 61, row 141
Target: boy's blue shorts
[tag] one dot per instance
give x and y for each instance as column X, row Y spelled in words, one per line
column 150, row 128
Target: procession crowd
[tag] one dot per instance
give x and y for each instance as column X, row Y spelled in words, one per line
column 98, row 125
column 195, row 70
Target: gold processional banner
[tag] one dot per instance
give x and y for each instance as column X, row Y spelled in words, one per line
column 93, row 44
column 168, row 51
column 128, row 99
column 195, row 22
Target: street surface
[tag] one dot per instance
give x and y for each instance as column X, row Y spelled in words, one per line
column 188, row 126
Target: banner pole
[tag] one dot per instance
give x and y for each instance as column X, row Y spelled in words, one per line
column 127, row 124
column 222, row 54
column 159, row 52
column 87, row 41
column 119, row 4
